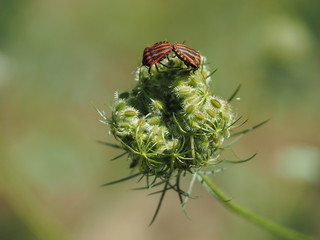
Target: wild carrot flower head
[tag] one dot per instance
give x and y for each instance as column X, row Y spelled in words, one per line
column 171, row 124
column 170, row 121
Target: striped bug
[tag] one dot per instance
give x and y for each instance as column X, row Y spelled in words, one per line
column 155, row 54
column 189, row 56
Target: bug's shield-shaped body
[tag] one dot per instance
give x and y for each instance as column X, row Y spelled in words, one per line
column 156, row 53
column 189, row 56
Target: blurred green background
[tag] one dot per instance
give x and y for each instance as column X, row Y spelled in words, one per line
column 59, row 58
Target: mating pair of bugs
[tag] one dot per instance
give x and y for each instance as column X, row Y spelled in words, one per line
column 161, row 50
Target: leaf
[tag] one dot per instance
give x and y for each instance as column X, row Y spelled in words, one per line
column 240, row 161
column 121, row 180
column 159, row 203
column 179, row 191
column 110, row 144
column 234, row 94
column 160, row 191
column 119, row 156
column 213, row 72
column 149, row 186
column 249, row 129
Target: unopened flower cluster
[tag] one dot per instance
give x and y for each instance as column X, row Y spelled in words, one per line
column 170, row 121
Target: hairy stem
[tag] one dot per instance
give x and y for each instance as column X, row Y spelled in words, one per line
column 279, row 230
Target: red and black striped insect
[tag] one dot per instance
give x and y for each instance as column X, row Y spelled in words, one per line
column 156, row 53
column 189, row 56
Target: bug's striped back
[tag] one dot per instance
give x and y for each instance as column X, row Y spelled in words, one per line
column 156, row 53
column 188, row 55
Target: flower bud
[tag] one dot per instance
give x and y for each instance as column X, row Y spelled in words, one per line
column 211, row 113
column 130, row 113
column 170, row 121
column 194, row 124
column 200, row 116
column 120, row 105
column 215, row 103
column 154, row 120
column 157, row 105
column 190, row 108
column 183, row 91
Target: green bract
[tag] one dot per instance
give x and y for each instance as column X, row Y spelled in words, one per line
column 170, row 121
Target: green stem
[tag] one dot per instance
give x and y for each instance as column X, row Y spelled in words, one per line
column 263, row 222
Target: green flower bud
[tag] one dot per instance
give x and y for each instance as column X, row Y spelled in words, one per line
column 226, row 116
column 183, row 91
column 211, row 113
column 192, row 100
column 215, row 103
column 120, row 105
column 158, row 105
column 141, row 122
column 200, row 116
column 154, row 120
column 194, row 124
column 190, row 108
column 125, row 125
column 130, row 113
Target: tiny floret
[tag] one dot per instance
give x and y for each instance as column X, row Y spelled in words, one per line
column 215, row 103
